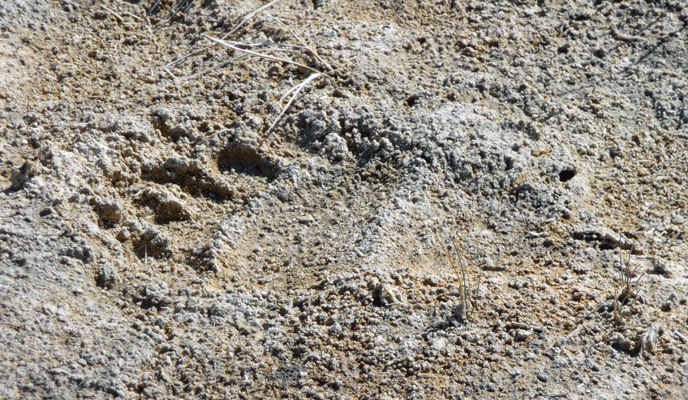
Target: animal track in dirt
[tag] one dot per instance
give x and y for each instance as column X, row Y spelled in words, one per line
column 244, row 159
column 190, row 176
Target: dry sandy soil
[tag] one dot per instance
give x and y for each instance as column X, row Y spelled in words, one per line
column 158, row 240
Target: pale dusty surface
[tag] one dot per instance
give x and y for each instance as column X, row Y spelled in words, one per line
column 156, row 243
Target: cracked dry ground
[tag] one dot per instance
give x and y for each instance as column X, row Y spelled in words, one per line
column 157, row 242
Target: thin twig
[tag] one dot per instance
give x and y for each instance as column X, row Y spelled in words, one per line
column 181, row 6
column 627, row 281
column 48, row 74
column 136, row 17
column 296, row 92
column 249, row 16
column 264, row 45
column 242, row 22
column 285, row 47
column 148, row 26
column 113, row 13
column 464, row 285
column 170, row 72
column 194, row 53
column 563, row 340
column 296, row 89
column 288, row 92
column 302, row 43
column 215, row 67
column 183, row 58
column 153, row 7
column 269, row 57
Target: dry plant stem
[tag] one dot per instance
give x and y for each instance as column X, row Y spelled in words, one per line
column 136, row 17
column 282, row 46
column 148, row 26
column 180, row 7
column 243, row 21
column 296, row 89
column 649, row 338
column 215, row 67
column 570, row 336
column 157, row 3
column 113, row 13
column 329, row 68
column 627, row 290
column 251, row 15
column 463, row 282
column 250, row 45
column 187, row 56
column 266, row 56
column 680, row 336
column 287, row 48
column 171, row 74
column 465, row 285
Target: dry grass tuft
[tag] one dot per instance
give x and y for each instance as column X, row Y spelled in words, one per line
column 626, row 292
column 456, row 259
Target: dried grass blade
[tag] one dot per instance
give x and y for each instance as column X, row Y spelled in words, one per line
column 266, row 56
column 214, row 67
column 249, row 16
column 153, row 7
column 293, row 97
column 323, row 62
column 287, row 48
column 296, row 89
column 183, row 58
column 171, row 74
column 119, row 18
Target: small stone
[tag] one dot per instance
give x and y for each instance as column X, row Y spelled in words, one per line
column 21, row 175
column 542, row 376
column 439, row 344
column 106, row 276
column 522, row 335
column 336, row 147
column 617, row 340
column 666, row 268
column 342, row 93
column 432, row 280
column 109, row 211
column 384, row 296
